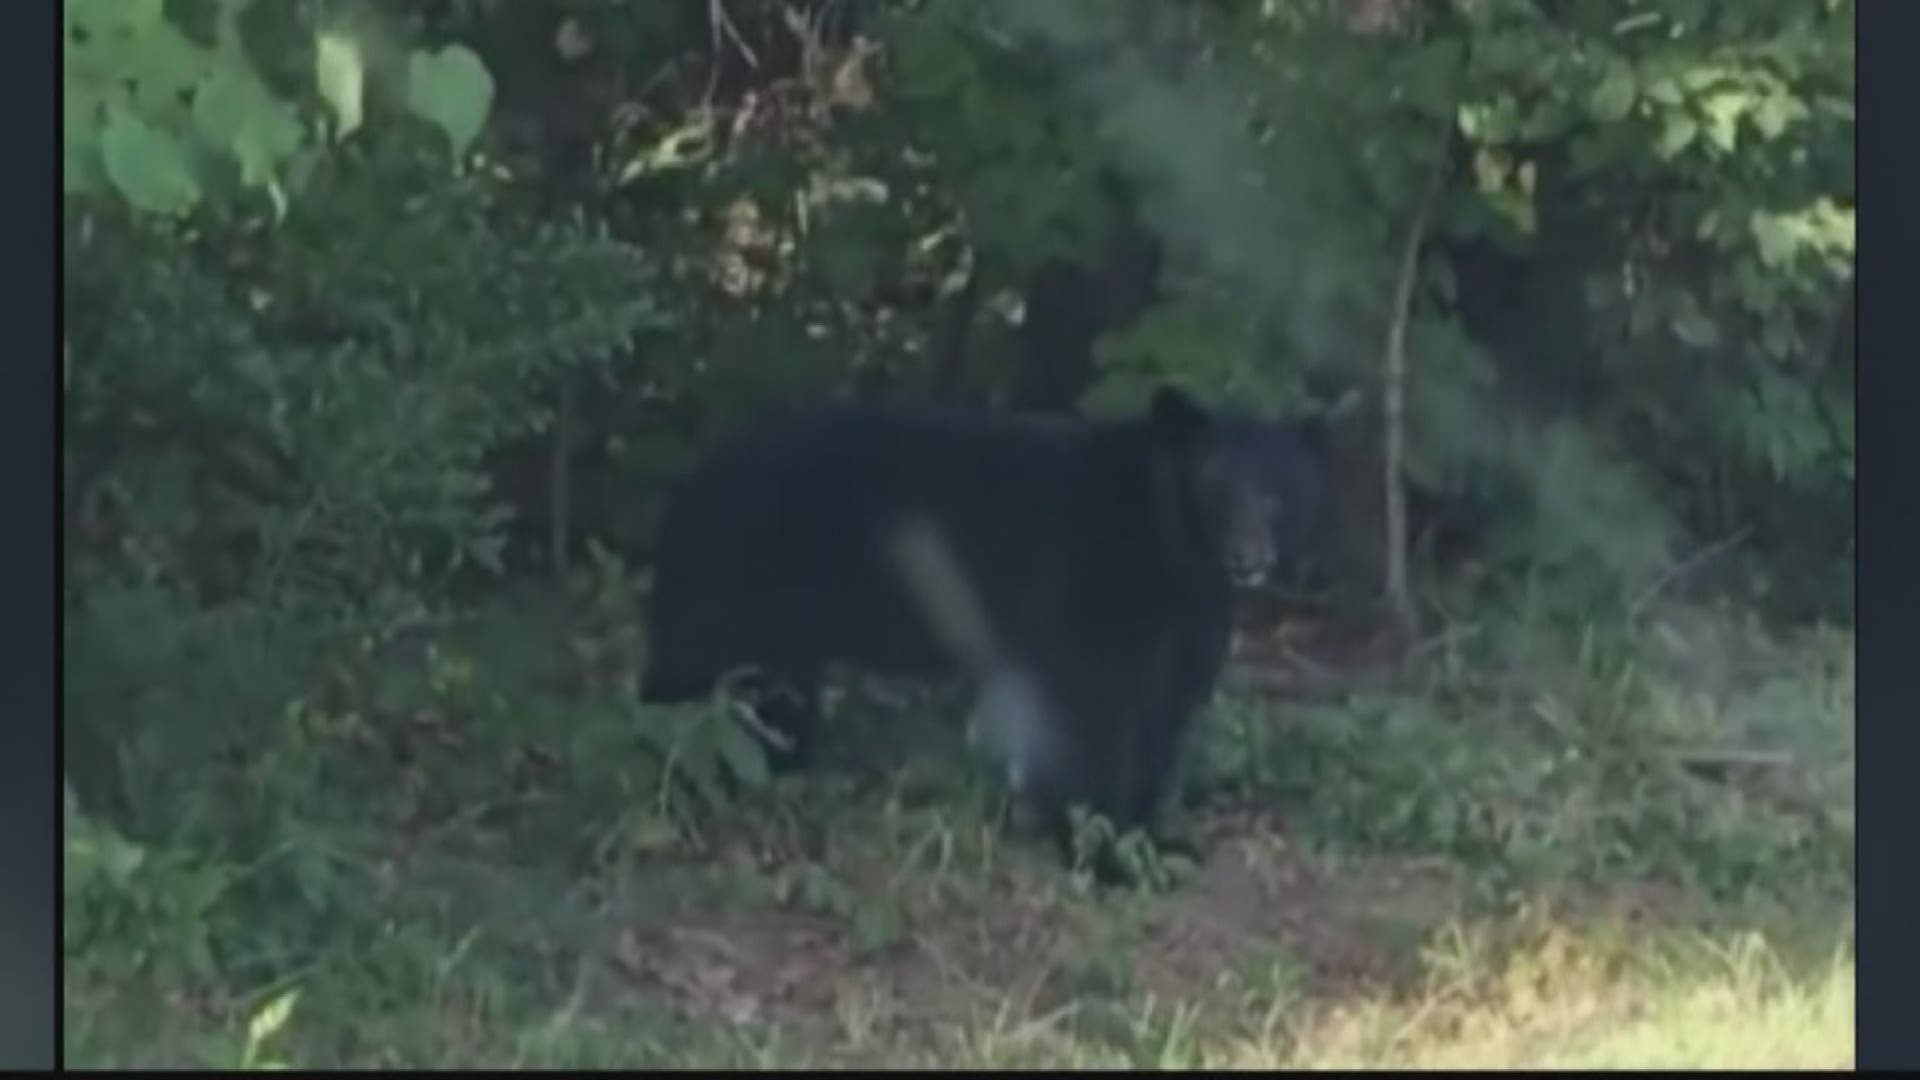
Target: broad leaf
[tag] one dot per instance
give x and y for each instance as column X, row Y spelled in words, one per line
column 340, row 73
column 1614, row 97
column 148, row 166
column 451, row 88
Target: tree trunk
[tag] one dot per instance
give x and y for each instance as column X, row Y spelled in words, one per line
column 1399, row 599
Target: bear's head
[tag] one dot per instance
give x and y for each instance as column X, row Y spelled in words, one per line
column 1250, row 491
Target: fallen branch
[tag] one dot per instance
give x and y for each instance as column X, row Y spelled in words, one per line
column 1763, row 769
column 1723, row 759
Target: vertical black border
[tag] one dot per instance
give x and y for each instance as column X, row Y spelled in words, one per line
column 28, row 1005
column 1888, row 735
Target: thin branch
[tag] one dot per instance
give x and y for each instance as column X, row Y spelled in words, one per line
column 725, row 22
column 720, row 23
column 1683, row 567
column 1396, row 379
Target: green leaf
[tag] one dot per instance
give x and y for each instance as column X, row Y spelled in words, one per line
column 1694, row 327
column 451, row 88
column 121, row 858
column 80, row 141
column 1663, row 90
column 270, row 1019
column 1549, row 120
column 159, row 65
column 1723, row 117
column 110, row 16
column 148, row 166
column 340, row 74
column 234, row 111
column 1613, row 98
column 1677, row 135
column 1776, row 237
column 1493, row 122
column 1773, row 115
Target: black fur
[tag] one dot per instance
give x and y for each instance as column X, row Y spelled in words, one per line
column 1098, row 554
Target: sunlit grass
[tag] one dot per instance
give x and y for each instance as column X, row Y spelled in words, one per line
column 1566, row 1003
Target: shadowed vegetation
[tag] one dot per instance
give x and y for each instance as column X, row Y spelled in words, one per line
column 386, row 326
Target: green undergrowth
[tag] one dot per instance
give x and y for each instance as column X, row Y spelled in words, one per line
column 467, row 844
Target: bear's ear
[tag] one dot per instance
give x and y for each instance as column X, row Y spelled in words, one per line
column 1175, row 416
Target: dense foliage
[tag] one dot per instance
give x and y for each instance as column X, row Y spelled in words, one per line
column 373, row 309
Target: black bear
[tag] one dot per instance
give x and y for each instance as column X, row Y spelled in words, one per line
column 1084, row 569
